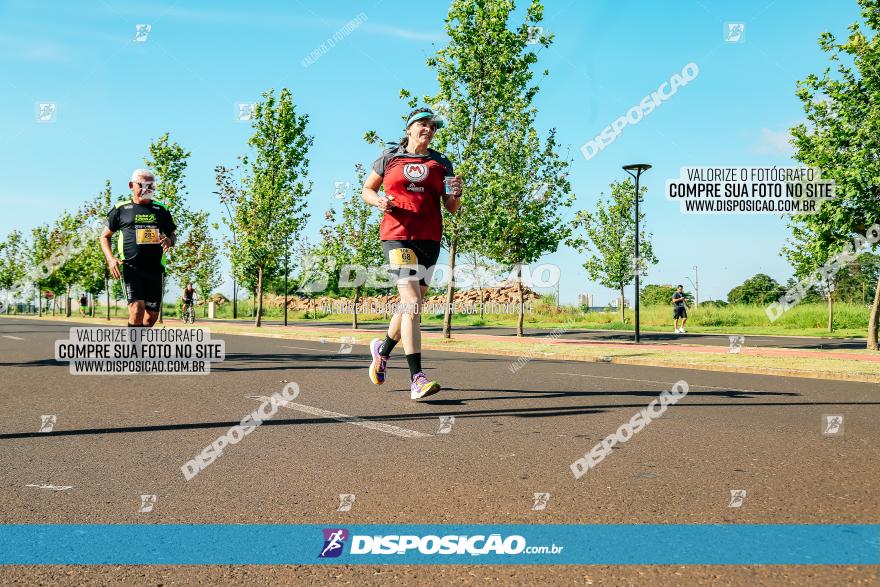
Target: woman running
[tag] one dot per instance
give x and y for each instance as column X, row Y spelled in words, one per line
column 417, row 179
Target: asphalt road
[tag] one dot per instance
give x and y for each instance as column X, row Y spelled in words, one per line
column 790, row 342
column 514, row 434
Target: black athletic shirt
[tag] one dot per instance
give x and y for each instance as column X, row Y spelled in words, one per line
column 139, row 226
column 678, row 300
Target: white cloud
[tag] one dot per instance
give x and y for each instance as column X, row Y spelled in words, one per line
column 402, row 33
column 272, row 19
column 774, row 143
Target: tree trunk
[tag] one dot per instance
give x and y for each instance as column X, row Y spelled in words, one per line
column 519, row 293
column 67, row 308
column 830, row 311
column 258, row 310
column 107, row 289
column 450, row 291
column 354, row 312
column 40, row 303
column 622, row 306
column 873, row 320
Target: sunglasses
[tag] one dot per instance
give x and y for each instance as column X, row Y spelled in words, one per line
column 146, row 186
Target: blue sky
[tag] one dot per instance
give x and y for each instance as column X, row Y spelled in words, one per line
column 200, row 59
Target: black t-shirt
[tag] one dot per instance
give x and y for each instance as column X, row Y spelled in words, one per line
column 140, row 225
column 678, row 299
column 188, row 293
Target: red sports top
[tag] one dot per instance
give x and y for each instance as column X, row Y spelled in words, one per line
column 416, row 184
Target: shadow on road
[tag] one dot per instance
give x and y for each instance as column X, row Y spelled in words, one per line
column 547, row 412
column 540, row 394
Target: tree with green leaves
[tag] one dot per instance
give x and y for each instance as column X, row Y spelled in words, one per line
column 199, row 257
column 855, row 283
column 12, row 262
column 268, row 212
column 354, row 242
column 95, row 275
column 65, row 238
column 608, row 235
column 840, row 138
column 484, row 75
column 229, row 191
column 661, row 295
column 38, row 254
column 168, row 161
column 808, row 251
column 760, row 289
column 525, row 199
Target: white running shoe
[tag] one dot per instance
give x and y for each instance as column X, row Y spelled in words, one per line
column 677, row 331
column 682, row 331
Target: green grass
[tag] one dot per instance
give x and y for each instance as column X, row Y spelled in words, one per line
column 850, row 320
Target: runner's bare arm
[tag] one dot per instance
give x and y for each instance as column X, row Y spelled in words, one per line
column 370, row 193
column 112, row 261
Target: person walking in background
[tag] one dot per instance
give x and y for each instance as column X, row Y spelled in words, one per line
column 679, row 309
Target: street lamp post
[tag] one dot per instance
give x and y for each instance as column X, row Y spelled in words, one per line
column 234, row 245
column 695, row 282
column 635, row 170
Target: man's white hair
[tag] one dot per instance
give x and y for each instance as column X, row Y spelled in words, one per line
column 142, row 173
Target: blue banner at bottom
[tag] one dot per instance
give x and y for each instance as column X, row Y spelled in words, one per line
column 611, row 544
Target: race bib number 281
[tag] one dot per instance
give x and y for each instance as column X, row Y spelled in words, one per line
column 147, row 236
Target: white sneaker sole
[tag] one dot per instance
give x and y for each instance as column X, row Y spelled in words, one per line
column 431, row 390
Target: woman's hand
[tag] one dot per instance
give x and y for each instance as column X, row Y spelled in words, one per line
column 455, row 183
column 385, row 203
column 370, row 193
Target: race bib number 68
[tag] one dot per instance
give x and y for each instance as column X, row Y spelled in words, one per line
column 402, row 256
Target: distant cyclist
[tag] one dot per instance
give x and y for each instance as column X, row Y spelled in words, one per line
column 188, row 295
column 147, row 231
column 411, row 228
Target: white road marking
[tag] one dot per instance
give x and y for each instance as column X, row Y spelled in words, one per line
column 304, row 348
column 12, row 337
column 48, row 486
column 381, row 427
column 662, row 382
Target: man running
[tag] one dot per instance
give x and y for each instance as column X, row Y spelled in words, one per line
column 414, row 177
column 679, row 310
column 83, row 305
column 147, row 232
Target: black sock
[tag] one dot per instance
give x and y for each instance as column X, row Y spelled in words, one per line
column 387, row 346
column 415, row 364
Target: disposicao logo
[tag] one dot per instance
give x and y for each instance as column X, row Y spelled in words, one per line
column 334, row 541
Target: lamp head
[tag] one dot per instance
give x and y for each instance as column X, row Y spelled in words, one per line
column 638, row 168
